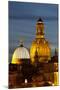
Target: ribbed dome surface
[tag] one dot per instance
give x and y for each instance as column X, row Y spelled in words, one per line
column 19, row 54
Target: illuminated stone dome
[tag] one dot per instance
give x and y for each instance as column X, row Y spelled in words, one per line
column 40, row 49
column 20, row 54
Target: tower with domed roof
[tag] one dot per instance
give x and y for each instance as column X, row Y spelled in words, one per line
column 40, row 44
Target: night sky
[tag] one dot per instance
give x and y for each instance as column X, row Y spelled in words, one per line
column 22, row 23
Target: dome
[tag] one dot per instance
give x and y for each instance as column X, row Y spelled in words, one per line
column 20, row 54
column 40, row 45
column 43, row 50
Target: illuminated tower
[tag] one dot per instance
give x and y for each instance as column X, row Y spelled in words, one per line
column 40, row 45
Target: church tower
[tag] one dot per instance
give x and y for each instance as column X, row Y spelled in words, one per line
column 40, row 44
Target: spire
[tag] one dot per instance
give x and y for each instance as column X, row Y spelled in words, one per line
column 40, row 28
column 36, row 54
column 36, row 58
column 21, row 43
column 56, row 52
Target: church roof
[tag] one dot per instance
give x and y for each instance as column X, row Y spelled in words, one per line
column 20, row 53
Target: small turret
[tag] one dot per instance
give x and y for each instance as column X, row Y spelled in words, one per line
column 39, row 28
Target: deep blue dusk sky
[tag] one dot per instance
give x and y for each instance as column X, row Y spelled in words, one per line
column 22, row 23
